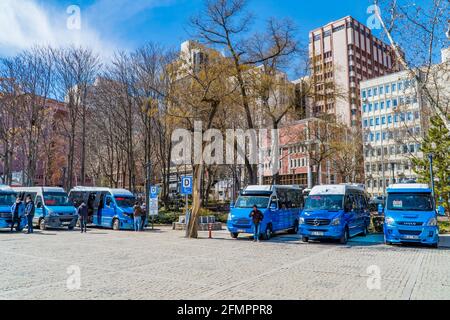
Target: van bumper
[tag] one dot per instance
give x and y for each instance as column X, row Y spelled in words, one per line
column 425, row 235
column 240, row 229
column 61, row 221
column 322, row 232
column 6, row 222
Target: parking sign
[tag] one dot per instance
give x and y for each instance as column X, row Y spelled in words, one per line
column 186, row 185
column 154, row 192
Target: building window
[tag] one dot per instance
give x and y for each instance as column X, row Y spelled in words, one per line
column 381, row 105
column 389, row 119
column 375, row 91
column 388, row 104
column 363, row 94
column 394, row 87
column 365, row 123
column 381, row 90
column 370, row 107
column 383, row 120
column 371, row 122
column 387, row 88
column 394, row 102
column 377, row 121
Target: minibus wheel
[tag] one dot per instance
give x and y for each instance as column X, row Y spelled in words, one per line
column 234, row 235
column 294, row 230
column 305, row 239
column 42, row 224
column 70, row 228
column 435, row 245
column 116, row 225
column 268, row 233
column 365, row 231
column 344, row 238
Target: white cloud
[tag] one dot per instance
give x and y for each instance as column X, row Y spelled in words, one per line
column 26, row 23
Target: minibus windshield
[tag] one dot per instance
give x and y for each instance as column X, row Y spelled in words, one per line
column 125, row 202
column 410, row 202
column 244, row 202
column 324, row 202
column 57, row 199
column 7, row 199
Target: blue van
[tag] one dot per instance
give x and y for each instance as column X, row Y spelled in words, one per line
column 281, row 206
column 53, row 209
column 335, row 212
column 108, row 208
column 410, row 215
column 7, row 199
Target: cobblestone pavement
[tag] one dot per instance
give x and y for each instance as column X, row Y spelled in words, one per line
column 161, row 264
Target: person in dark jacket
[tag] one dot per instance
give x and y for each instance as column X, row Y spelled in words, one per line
column 144, row 216
column 257, row 216
column 29, row 212
column 83, row 216
column 18, row 213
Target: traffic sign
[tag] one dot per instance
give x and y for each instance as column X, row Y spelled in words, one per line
column 153, row 206
column 154, row 192
column 186, row 185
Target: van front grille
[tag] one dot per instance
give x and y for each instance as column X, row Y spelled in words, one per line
column 317, row 222
column 410, row 232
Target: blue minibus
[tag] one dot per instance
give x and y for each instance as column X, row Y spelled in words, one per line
column 410, row 215
column 108, row 208
column 280, row 206
column 335, row 212
column 7, row 199
column 53, row 209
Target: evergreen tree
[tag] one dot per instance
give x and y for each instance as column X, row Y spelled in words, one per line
column 436, row 142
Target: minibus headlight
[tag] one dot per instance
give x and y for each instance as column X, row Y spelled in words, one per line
column 390, row 221
column 301, row 221
column 432, row 222
column 336, row 222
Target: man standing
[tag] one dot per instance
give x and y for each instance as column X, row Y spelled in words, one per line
column 83, row 216
column 18, row 211
column 257, row 216
column 29, row 213
column 144, row 216
column 137, row 212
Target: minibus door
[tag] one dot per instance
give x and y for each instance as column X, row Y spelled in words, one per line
column 39, row 209
column 351, row 213
column 274, row 213
column 109, row 210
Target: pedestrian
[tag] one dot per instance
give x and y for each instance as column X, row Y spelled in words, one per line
column 18, row 212
column 29, row 212
column 257, row 216
column 83, row 216
column 143, row 216
column 137, row 212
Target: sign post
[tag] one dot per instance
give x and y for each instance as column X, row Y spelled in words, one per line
column 186, row 190
column 153, row 203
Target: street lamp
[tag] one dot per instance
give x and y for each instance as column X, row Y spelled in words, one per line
column 430, row 157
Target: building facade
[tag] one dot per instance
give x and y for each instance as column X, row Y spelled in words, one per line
column 342, row 54
column 393, row 125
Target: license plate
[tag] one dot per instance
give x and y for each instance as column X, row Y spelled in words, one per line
column 317, row 233
column 411, row 237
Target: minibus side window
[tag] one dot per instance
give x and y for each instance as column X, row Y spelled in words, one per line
column 38, row 201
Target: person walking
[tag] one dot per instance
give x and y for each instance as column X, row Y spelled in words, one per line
column 29, row 213
column 18, row 212
column 137, row 212
column 257, row 216
column 83, row 216
column 143, row 216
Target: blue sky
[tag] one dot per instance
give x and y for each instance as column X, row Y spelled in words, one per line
column 109, row 25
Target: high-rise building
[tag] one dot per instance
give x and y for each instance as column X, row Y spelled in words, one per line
column 343, row 53
column 393, row 126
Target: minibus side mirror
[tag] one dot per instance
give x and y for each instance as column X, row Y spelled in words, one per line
column 441, row 211
column 380, row 209
column 232, row 205
column 39, row 205
column 273, row 206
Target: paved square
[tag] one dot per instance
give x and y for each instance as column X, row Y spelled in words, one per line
column 161, row 264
